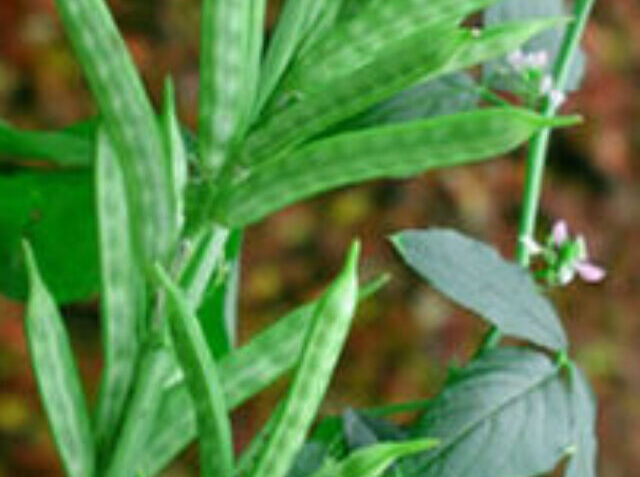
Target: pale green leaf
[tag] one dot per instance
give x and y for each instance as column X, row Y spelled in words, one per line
column 475, row 276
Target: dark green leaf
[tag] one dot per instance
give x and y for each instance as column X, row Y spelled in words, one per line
column 475, row 276
column 62, row 232
column 508, row 413
column 57, row 377
column 72, row 146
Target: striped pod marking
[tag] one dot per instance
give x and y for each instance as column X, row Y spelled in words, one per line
column 354, row 43
column 243, row 373
column 122, row 296
column 57, row 377
column 176, row 151
column 223, row 77
column 128, row 118
column 323, row 344
column 203, row 382
column 254, row 62
column 401, row 66
column 393, row 151
column 155, row 365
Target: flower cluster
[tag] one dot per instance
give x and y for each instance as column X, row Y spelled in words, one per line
column 564, row 257
column 529, row 67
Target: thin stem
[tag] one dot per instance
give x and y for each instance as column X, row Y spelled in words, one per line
column 536, row 157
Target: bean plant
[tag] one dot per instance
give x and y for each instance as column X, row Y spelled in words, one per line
column 134, row 206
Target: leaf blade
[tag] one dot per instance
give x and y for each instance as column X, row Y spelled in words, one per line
column 476, row 277
column 507, row 413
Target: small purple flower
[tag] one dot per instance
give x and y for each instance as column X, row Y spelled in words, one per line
column 564, row 257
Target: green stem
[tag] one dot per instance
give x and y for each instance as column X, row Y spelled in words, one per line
column 539, row 145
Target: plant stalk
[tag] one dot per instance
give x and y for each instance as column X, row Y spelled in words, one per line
column 539, row 145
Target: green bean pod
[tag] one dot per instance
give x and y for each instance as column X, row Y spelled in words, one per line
column 57, row 377
column 323, row 344
column 203, row 382
column 122, row 297
column 130, row 121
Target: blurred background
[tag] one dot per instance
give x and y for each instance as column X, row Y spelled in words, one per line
column 406, row 336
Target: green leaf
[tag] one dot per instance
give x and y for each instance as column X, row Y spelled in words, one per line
column 294, row 19
column 373, row 460
column 507, row 413
column 323, row 344
column 218, row 313
column 582, row 462
column 57, row 377
column 310, row 112
column 243, row 373
column 154, row 367
column 394, row 151
column 130, row 121
column 498, row 40
column 310, row 459
column 122, row 298
column 225, row 53
column 361, row 430
column 549, row 41
column 320, row 25
column 475, row 276
column 68, row 147
column 377, row 28
column 447, row 95
column 203, row 382
column 27, row 210
column 72, row 146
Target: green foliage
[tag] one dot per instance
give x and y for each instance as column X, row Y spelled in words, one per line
column 57, row 377
column 507, row 413
column 373, row 460
column 346, row 91
column 478, row 278
column 129, row 120
column 71, row 146
column 323, row 343
column 203, row 382
column 388, row 151
column 27, row 210
column 122, row 297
